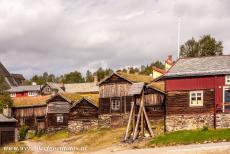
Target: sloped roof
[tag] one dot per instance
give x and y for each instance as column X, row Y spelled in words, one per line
column 159, row 86
column 6, row 119
column 201, row 66
column 136, row 88
column 54, row 85
column 136, row 77
column 30, row 101
column 8, row 78
column 74, row 97
column 132, row 78
column 58, row 107
column 25, row 88
column 81, row 87
column 18, row 76
column 87, row 99
column 159, row 70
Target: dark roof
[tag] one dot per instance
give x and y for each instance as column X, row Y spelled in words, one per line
column 132, row 78
column 6, row 119
column 136, row 88
column 87, row 99
column 25, row 88
column 201, row 66
column 18, row 76
column 54, row 85
column 58, row 107
column 8, row 77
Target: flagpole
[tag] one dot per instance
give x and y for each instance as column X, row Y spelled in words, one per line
column 178, row 37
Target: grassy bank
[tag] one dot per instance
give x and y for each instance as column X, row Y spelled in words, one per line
column 93, row 139
column 191, row 136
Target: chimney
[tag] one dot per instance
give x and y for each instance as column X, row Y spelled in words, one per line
column 168, row 62
column 95, row 79
column 7, row 111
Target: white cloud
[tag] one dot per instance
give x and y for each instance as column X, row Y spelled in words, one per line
column 66, row 35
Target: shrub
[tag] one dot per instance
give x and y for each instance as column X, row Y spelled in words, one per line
column 39, row 132
column 205, row 128
column 23, row 132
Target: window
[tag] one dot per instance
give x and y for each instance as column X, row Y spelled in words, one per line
column 227, row 79
column 47, row 89
column 116, row 104
column 85, row 110
column 32, row 93
column 60, row 118
column 13, row 94
column 196, row 98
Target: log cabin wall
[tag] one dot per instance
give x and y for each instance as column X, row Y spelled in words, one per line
column 83, row 110
column 29, row 115
column 178, row 103
column 53, row 123
column 114, row 89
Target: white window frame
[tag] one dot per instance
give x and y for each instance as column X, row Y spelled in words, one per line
column 227, row 79
column 13, row 94
column 60, row 118
column 115, row 104
column 191, row 104
column 32, row 93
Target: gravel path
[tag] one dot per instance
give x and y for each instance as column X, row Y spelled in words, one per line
column 209, row 148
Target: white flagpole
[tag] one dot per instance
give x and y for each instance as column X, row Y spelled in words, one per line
column 178, row 37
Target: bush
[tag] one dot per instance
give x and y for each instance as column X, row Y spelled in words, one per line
column 39, row 132
column 23, row 132
column 205, row 128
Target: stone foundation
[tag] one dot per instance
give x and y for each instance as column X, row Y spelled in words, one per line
column 54, row 129
column 189, row 121
column 82, row 125
column 104, row 121
column 223, row 120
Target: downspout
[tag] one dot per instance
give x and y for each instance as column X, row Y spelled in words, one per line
column 215, row 102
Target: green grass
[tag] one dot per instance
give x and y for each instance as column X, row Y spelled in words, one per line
column 191, row 136
column 51, row 137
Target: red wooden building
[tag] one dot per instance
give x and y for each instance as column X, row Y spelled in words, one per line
column 24, row 91
column 196, row 90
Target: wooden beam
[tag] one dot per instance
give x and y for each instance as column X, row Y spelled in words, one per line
column 139, row 116
column 148, row 122
column 129, row 122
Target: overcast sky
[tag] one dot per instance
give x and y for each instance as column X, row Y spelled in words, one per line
column 59, row 36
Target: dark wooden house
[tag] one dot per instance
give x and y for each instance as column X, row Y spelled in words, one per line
column 83, row 115
column 8, row 132
column 57, row 115
column 52, row 88
column 30, row 111
column 113, row 92
column 84, row 109
column 196, row 90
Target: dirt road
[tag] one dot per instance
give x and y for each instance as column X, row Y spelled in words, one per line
column 210, row 148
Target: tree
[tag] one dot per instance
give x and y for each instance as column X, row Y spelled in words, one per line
column 205, row 46
column 73, row 77
column 89, row 76
column 158, row 64
column 5, row 98
column 101, row 73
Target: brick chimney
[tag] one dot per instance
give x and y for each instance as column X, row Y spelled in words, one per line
column 7, row 111
column 168, row 62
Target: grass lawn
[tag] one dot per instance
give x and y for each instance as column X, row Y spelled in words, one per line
column 191, row 136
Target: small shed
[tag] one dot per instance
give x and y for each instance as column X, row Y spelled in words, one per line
column 7, row 127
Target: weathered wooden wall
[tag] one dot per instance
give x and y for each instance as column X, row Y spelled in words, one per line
column 52, row 120
column 28, row 115
column 114, row 90
column 77, row 112
column 177, row 102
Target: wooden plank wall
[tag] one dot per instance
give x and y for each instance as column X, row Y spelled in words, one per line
column 177, row 102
